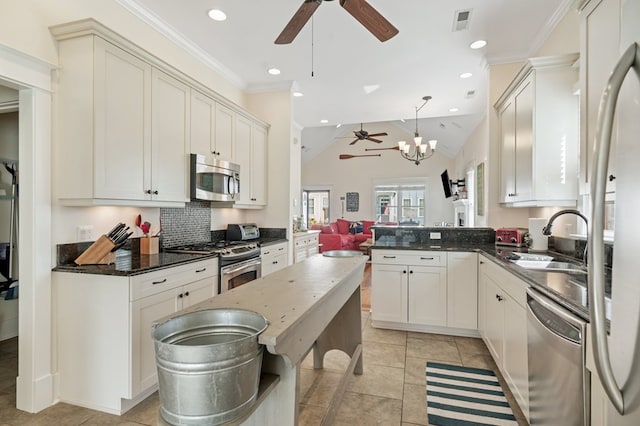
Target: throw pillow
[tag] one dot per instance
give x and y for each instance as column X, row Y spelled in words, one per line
column 326, row 229
column 366, row 226
column 343, row 226
column 355, row 227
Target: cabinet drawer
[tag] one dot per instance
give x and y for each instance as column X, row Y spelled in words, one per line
column 410, row 257
column 165, row 279
column 274, row 249
column 511, row 284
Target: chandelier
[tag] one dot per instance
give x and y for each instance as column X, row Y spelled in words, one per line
column 420, row 151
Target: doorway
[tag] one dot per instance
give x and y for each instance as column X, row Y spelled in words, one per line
column 316, row 207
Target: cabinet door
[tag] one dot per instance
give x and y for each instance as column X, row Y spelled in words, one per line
column 427, row 297
column 524, row 141
column 143, row 313
column 202, row 124
column 494, row 320
column 389, row 290
column 122, row 114
column 258, row 165
column 462, row 290
column 243, row 157
column 508, row 151
column 482, row 291
column 599, row 52
column 198, row 291
column 515, row 361
column 225, row 133
column 170, row 110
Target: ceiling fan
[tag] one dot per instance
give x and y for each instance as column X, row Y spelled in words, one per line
column 362, row 135
column 364, row 13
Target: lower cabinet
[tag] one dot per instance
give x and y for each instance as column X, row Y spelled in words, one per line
column 105, row 358
column 462, row 290
column 503, row 326
column 409, row 287
column 305, row 244
column 274, row 258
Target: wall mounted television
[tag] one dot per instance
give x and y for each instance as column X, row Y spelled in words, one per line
column 446, row 183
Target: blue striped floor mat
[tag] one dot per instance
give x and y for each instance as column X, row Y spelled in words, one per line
column 465, row 396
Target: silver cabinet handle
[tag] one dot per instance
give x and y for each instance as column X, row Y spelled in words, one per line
column 604, row 129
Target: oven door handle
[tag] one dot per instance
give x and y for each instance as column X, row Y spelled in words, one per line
column 239, row 267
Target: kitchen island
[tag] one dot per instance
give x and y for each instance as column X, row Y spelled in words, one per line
column 313, row 304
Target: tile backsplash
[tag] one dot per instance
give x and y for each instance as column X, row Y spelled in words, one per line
column 191, row 224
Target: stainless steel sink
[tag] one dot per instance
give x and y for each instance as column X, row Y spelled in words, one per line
column 550, row 266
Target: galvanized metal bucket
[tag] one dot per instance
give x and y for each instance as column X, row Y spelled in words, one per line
column 208, row 365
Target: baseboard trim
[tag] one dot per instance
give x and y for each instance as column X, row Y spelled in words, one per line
column 462, row 332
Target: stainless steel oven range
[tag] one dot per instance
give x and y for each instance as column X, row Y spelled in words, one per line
column 238, row 256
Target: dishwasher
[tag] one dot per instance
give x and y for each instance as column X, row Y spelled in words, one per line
column 558, row 379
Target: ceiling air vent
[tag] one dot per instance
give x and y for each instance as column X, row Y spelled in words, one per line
column 461, row 20
column 470, row 94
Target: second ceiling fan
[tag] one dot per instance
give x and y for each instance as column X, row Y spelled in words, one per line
column 364, row 13
column 362, row 135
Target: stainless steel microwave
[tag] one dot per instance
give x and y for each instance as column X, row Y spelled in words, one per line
column 214, row 180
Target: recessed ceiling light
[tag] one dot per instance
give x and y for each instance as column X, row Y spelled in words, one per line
column 453, row 110
column 273, row 71
column 298, row 94
column 338, row 125
column 465, row 75
column 478, row 44
column 324, row 121
column 217, row 15
column 403, row 120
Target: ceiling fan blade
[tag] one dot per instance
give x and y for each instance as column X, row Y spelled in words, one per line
column 379, row 134
column 374, row 140
column 354, row 141
column 298, row 21
column 397, row 148
column 347, row 156
column 370, row 18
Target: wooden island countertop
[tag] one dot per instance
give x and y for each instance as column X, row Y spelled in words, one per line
column 314, row 304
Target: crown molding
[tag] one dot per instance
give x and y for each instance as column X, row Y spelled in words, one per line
column 179, row 39
column 550, row 25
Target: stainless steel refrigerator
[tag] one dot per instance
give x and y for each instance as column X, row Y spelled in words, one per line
column 618, row 361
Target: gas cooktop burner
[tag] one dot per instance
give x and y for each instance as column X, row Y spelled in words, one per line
column 222, row 248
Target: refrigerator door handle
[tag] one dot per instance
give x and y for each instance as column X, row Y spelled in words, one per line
column 630, row 58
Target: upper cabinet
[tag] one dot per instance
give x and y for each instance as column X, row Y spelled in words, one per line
column 538, row 121
column 251, row 154
column 211, row 127
column 131, row 120
column 599, row 52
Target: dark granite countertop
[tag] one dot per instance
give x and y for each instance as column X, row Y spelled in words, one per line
column 567, row 289
column 128, row 264
column 271, row 241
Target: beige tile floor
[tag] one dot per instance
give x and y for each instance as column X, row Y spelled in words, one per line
column 390, row 392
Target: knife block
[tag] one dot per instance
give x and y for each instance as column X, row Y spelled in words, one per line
column 98, row 253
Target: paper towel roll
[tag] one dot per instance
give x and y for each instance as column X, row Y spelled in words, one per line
column 539, row 242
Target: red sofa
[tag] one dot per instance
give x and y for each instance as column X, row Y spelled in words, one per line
column 342, row 234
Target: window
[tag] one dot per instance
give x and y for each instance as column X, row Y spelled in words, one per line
column 401, row 202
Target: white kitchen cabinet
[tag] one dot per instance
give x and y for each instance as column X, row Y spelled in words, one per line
column 462, row 290
column 409, row 287
column 538, row 119
column 126, row 116
column 305, row 244
column 274, row 257
column 211, row 127
column 125, row 123
column 251, row 154
column 504, row 326
column 169, row 148
column 599, row 52
column 105, row 354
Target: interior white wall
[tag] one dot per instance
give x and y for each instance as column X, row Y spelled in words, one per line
column 358, row 174
column 276, row 109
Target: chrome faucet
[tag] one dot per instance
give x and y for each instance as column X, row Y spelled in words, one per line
column 547, row 229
